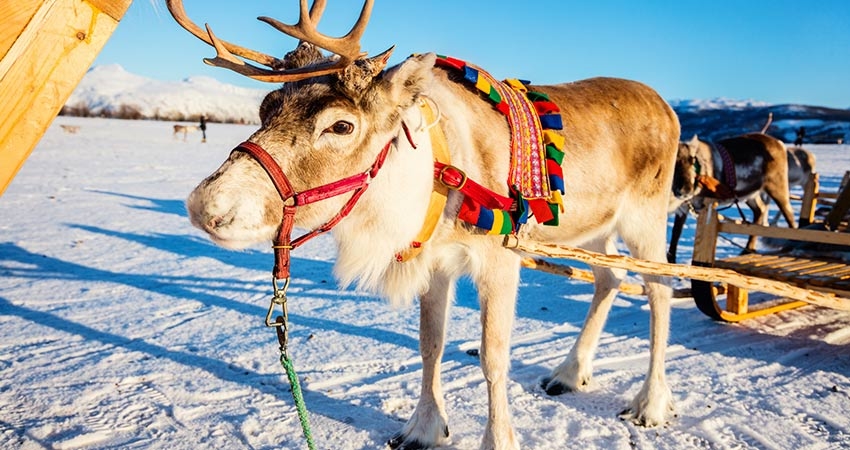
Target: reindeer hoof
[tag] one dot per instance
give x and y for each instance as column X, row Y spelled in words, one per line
column 553, row 387
column 399, row 442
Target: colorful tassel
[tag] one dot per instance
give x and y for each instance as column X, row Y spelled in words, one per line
column 544, row 210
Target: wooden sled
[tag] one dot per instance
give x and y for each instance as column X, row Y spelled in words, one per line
column 710, row 274
column 811, row 271
column 46, row 46
column 794, row 281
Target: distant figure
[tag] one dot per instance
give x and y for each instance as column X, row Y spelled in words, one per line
column 203, row 128
column 801, row 133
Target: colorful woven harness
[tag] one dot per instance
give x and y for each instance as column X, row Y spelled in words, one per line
column 723, row 190
column 536, row 180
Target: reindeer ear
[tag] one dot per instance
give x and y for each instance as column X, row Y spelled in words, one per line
column 408, row 80
column 694, row 140
column 357, row 77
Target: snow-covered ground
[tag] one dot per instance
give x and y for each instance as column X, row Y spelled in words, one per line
column 121, row 326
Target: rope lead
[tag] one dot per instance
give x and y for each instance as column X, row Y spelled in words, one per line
column 300, row 406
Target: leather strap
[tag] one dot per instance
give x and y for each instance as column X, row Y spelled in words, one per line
column 456, row 179
column 283, row 243
column 439, row 193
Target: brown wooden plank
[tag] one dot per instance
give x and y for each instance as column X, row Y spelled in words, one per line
column 42, row 67
column 705, row 237
column 798, row 266
column 14, row 15
column 797, row 274
column 794, row 234
column 824, row 270
column 832, row 277
column 745, row 262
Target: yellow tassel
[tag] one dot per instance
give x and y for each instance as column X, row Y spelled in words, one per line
column 552, row 137
column 498, row 220
column 483, row 85
column 517, row 85
column 555, row 197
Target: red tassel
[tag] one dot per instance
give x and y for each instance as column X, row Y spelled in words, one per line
column 541, row 210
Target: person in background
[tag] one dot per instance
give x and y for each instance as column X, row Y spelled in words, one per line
column 801, row 133
column 203, row 128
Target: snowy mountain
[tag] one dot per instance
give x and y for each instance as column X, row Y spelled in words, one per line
column 720, row 118
column 714, row 104
column 111, row 91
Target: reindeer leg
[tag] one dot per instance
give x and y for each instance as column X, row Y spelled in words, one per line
column 576, row 372
column 497, row 288
column 428, row 427
column 654, row 402
column 759, row 217
column 784, row 204
column 678, row 224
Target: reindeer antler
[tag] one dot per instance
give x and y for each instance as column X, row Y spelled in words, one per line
column 347, row 47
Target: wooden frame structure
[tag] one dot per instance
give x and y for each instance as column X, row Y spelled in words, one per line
column 795, row 281
column 815, row 273
column 46, row 46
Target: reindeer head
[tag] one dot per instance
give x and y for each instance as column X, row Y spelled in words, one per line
column 328, row 121
column 689, row 165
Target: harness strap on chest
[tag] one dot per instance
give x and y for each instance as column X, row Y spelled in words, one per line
column 439, row 193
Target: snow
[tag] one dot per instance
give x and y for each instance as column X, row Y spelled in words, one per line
column 124, row 327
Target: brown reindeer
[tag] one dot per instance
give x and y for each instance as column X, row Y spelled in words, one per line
column 738, row 169
column 185, row 129
column 346, row 118
column 801, row 166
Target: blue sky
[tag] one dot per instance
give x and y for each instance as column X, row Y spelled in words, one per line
column 777, row 51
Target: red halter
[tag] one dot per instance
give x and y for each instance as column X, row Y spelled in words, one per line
column 358, row 183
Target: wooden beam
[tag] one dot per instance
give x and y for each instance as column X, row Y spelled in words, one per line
column 47, row 48
column 727, row 276
column 576, row 274
column 793, row 234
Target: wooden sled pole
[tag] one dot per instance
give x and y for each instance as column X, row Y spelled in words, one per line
column 727, row 276
column 576, row 274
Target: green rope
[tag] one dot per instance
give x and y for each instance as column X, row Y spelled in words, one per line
column 299, row 399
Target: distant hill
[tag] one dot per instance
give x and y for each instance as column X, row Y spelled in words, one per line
column 719, row 118
column 112, row 91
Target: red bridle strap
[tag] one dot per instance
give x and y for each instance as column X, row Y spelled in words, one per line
column 283, row 243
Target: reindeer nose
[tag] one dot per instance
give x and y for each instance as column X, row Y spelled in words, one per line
column 214, row 222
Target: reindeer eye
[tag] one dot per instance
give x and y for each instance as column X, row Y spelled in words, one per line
column 340, row 127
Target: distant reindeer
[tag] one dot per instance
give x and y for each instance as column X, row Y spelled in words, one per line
column 340, row 125
column 70, row 129
column 185, row 129
column 730, row 171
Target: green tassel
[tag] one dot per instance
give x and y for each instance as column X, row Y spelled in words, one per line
column 537, row 96
column 554, row 154
column 556, row 209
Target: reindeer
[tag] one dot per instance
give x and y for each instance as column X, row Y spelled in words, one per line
column 738, row 169
column 185, row 129
column 344, row 123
